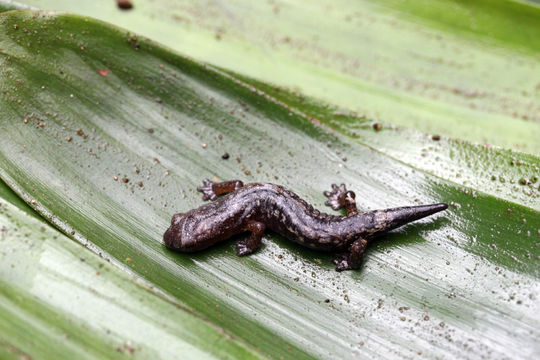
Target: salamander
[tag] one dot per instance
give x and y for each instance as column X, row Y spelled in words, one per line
column 257, row 207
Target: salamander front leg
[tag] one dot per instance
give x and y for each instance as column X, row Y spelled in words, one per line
column 353, row 258
column 339, row 197
column 248, row 246
column 211, row 190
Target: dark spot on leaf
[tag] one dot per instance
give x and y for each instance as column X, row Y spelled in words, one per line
column 124, row 4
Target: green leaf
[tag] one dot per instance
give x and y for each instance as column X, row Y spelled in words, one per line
column 53, row 291
column 6, row 5
column 505, row 174
column 446, row 67
column 101, row 104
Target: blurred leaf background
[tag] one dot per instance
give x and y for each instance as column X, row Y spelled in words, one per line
column 465, row 69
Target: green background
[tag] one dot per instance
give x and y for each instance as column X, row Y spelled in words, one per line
column 461, row 284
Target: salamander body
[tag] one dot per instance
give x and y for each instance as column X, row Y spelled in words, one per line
column 257, row 207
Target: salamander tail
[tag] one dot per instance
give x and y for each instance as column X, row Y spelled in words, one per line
column 385, row 220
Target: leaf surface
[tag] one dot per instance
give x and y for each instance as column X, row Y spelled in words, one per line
column 443, row 67
column 54, row 291
column 100, row 103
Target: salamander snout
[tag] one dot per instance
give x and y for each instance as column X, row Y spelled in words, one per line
column 172, row 238
column 173, row 235
column 177, row 238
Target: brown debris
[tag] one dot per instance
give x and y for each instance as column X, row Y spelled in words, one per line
column 124, row 4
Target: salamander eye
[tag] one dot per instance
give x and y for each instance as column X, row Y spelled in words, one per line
column 176, row 218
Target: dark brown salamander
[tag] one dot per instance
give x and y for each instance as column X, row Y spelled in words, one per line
column 259, row 206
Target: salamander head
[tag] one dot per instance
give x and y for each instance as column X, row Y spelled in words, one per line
column 173, row 235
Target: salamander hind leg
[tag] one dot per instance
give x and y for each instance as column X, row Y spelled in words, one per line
column 248, row 246
column 211, row 190
column 340, row 197
column 353, row 258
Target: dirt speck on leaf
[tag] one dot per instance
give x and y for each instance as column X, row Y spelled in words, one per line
column 124, row 4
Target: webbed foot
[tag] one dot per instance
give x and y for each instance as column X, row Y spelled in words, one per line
column 335, row 196
column 344, row 262
column 211, row 190
column 339, row 258
column 340, row 197
column 208, row 190
column 352, row 259
column 242, row 248
column 249, row 245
